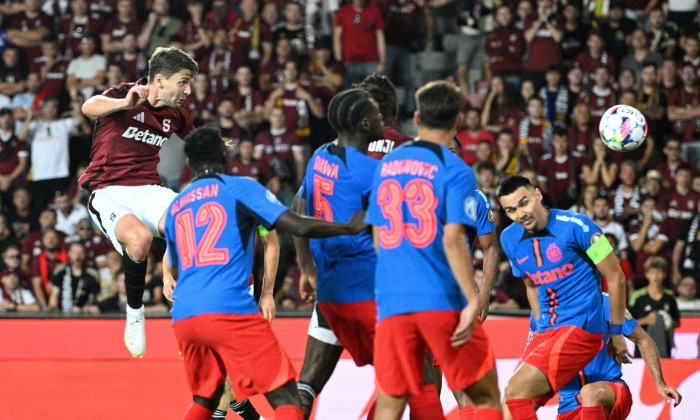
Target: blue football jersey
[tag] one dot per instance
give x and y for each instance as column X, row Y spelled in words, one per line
column 337, row 184
column 602, row 368
column 555, row 259
column 418, row 189
column 484, row 219
column 209, row 231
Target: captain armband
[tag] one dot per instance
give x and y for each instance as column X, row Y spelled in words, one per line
column 261, row 230
column 599, row 249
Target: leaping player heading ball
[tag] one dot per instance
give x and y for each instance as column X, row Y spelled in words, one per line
column 127, row 200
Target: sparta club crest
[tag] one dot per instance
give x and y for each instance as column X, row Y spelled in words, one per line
column 553, row 253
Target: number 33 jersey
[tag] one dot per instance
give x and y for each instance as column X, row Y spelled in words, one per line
column 209, row 231
column 337, row 184
column 418, row 189
column 556, row 260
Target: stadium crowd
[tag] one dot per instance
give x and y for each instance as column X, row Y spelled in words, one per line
column 537, row 76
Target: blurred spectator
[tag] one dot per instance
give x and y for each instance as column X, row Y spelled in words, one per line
column 679, row 203
column 115, row 29
column 559, row 171
column 471, row 56
column 68, row 213
column 404, row 36
column 575, row 31
column 505, row 46
column 13, row 73
column 272, row 72
column 221, row 63
column 324, row 73
column 225, row 122
column 544, row 30
column 509, row 291
column 507, row 156
column 116, row 302
column 648, row 235
column 669, row 75
column 663, row 35
column 134, row 63
column 640, row 54
column 574, row 88
column 626, row 198
column 77, row 193
column 320, row 19
column 292, row 28
column 667, row 168
column 201, row 103
column 684, row 113
column 687, row 295
column 484, row 153
column 194, row 36
column 250, row 37
column 287, row 295
column 581, row 131
column 523, row 10
column 7, row 236
column 96, row 246
column 49, row 145
column 247, row 101
column 153, row 298
column 296, row 100
column 486, row 178
column 595, row 56
column 271, row 16
column 52, row 70
column 584, row 204
column 23, row 100
column 159, row 28
column 28, row 28
column 555, row 98
column 683, row 13
column 87, row 71
column 652, row 100
column 32, row 244
column 57, row 10
column 358, row 40
column 15, row 298
column 531, row 175
column 12, row 261
column 279, row 147
column 219, row 17
column 598, row 169
column 245, row 165
column 695, row 183
column 691, row 49
column 22, row 217
column 600, row 96
column 652, row 184
column 113, row 266
column 603, row 218
column 654, row 307
column 616, row 30
column 113, row 77
column 13, row 156
column 471, row 134
column 641, row 155
column 686, row 252
column 627, row 80
column 534, row 134
column 74, row 285
column 43, row 265
column 500, row 106
column 76, row 26
column 624, row 264
column 527, row 91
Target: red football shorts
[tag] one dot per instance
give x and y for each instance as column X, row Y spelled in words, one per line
column 621, row 409
column 353, row 324
column 241, row 345
column 560, row 353
column 402, row 342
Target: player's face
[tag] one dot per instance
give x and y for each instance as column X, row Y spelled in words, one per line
column 174, row 90
column 524, row 206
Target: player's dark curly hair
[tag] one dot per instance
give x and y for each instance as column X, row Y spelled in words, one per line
column 348, row 108
column 382, row 90
column 204, row 146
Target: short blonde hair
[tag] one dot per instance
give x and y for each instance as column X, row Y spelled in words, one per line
column 656, row 262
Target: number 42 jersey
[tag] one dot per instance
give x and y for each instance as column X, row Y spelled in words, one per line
column 558, row 260
column 418, row 189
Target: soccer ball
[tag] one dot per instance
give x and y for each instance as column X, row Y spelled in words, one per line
column 623, row 128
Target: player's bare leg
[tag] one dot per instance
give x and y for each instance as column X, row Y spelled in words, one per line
column 285, row 401
column 244, row 408
column 466, row 406
column 201, row 408
column 389, row 407
column 320, row 360
column 136, row 239
column 484, row 395
column 527, row 383
column 597, row 399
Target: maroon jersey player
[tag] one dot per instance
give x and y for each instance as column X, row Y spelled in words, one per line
column 127, row 202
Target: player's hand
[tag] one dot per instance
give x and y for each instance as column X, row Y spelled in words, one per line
column 307, row 285
column 465, row 327
column 357, row 222
column 617, row 349
column 136, row 96
column 168, row 287
column 484, row 301
column 267, row 306
column 669, row 393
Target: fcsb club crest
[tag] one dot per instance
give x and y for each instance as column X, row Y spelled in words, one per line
column 553, row 253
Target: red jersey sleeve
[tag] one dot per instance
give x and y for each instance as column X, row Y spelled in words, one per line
column 118, row 91
column 378, row 19
column 188, row 125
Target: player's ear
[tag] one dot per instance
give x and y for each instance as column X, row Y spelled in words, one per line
column 365, row 125
column 416, row 118
column 458, row 122
column 538, row 194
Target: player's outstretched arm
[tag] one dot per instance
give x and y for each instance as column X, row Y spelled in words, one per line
column 100, row 105
column 651, row 358
column 307, row 278
column 271, row 247
column 488, row 245
column 454, row 241
column 309, row 227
